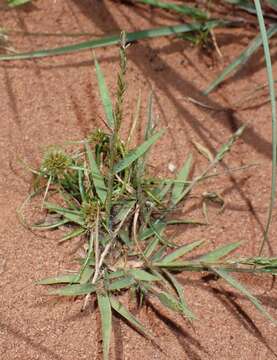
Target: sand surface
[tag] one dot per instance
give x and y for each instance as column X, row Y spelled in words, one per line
column 52, row 100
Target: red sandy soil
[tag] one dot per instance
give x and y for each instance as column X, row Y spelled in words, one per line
column 52, row 100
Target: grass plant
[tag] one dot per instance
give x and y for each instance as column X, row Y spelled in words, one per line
column 104, row 193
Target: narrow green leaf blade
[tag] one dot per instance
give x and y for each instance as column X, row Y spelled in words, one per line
column 58, row 209
column 178, row 187
column 73, row 278
column 183, row 304
column 243, row 4
column 143, row 275
column 121, row 283
column 273, row 4
column 151, row 247
column 72, row 234
column 86, row 275
column 14, row 3
column 219, row 253
column 69, row 215
column 106, row 322
column 121, row 310
column 163, row 191
column 150, row 118
column 116, row 274
column 60, row 279
column 97, row 178
column 74, row 290
column 185, row 222
column 113, row 40
column 181, row 251
column 104, row 93
column 169, row 301
column 49, row 226
column 180, row 9
column 271, row 87
column 124, row 211
column 237, row 285
column 158, row 254
column 157, row 227
column 136, row 153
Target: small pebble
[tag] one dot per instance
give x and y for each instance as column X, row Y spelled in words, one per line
column 171, row 167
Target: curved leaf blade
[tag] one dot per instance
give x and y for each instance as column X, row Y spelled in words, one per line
column 180, row 292
column 136, row 153
column 121, row 283
column 106, row 322
column 97, row 177
column 237, row 285
column 181, row 9
column 121, row 310
column 182, row 177
column 181, row 251
column 104, row 94
column 60, row 279
column 219, row 252
column 74, row 290
column 72, row 234
column 113, row 40
column 143, row 275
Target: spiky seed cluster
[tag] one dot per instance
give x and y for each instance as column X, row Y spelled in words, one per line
column 98, row 137
column 55, row 162
column 89, row 210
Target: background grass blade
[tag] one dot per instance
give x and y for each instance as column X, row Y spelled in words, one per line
column 180, row 9
column 242, row 59
column 113, row 40
column 273, row 4
column 273, row 114
column 106, row 322
column 243, row 4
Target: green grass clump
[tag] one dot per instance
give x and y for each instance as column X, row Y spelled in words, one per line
column 105, row 193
